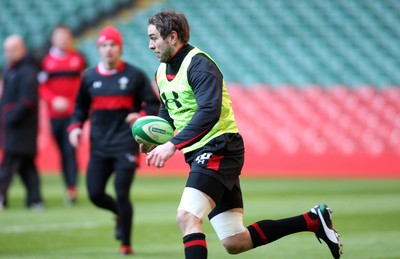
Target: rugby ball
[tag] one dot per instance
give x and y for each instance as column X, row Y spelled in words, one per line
column 152, row 130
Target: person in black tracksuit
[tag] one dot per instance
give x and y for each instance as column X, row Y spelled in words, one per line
column 19, row 122
column 115, row 94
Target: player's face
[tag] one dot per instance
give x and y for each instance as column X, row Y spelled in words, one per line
column 14, row 49
column 110, row 52
column 161, row 47
column 62, row 38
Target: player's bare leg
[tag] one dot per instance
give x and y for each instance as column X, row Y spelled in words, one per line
column 188, row 223
column 194, row 239
column 193, row 208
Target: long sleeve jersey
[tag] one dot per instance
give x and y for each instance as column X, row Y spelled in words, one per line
column 61, row 76
column 108, row 99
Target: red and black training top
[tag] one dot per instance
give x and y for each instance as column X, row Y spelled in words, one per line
column 61, row 76
column 108, row 99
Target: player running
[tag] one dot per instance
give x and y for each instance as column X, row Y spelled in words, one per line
column 115, row 93
column 195, row 101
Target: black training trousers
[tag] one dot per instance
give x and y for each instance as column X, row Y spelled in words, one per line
column 99, row 171
column 25, row 166
column 67, row 151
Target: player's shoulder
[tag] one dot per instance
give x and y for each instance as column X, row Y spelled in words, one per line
column 133, row 69
column 202, row 63
column 47, row 60
column 90, row 72
column 77, row 54
column 202, row 60
column 130, row 66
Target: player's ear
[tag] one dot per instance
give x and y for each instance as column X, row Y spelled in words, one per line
column 174, row 37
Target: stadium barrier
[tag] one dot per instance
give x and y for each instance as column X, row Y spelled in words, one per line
column 289, row 132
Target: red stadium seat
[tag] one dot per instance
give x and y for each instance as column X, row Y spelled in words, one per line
column 316, row 120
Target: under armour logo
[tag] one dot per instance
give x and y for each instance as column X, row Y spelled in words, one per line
column 169, row 101
column 203, row 157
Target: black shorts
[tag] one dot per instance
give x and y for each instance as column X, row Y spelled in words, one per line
column 215, row 170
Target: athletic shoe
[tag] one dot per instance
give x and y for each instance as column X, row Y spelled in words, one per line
column 71, row 196
column 118, row 230
column 36, row 206
column 2, row 204
column 325, row 230
column 125, row 250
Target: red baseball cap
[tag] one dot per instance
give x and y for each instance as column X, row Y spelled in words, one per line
column 110, row 33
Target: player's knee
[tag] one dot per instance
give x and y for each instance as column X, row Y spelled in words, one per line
column 233, row 235
column 233, row 246
column 233, row 250
column 95, row 197
column 186, row 220
column 122, row 196
column 182, row 218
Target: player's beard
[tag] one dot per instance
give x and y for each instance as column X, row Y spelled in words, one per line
column 164, row 57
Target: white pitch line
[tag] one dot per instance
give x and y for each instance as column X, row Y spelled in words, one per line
column 50, row 227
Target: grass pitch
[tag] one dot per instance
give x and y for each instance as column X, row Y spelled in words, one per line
column 366, row 213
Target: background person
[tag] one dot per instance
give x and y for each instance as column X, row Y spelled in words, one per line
column 60, row 78
column 116, row 94
column 19, row 122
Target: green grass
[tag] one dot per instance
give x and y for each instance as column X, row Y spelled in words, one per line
column 366, row 213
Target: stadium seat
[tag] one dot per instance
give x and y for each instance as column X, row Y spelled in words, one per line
column 34, row 20
column 302, row 42
column 316, row 120
column 309, row 76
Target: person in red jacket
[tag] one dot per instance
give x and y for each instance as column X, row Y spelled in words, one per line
column 60, row 78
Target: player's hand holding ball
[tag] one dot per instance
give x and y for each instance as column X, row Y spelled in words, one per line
column 160, row 154
column 153, row 134
column 146, row 149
